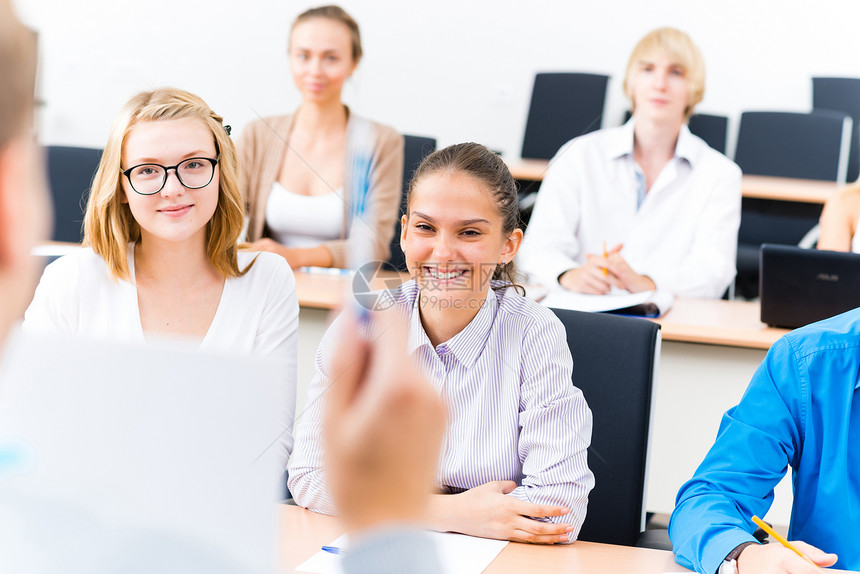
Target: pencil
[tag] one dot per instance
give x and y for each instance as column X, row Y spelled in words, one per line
column 771, row 532
column 605, row 270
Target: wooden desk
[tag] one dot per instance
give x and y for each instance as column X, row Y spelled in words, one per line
column 528, row 169
column 789, row 189
column 304, row 532
column 753, row 186
column 715, row 322
column 718, row 322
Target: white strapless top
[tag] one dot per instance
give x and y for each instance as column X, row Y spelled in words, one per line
column 296, row 220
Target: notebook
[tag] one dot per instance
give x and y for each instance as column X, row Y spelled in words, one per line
column 800, row 286
column 122, row 459
column 645, row 303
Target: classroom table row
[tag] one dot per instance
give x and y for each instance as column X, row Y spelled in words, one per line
column 752, row 186
column 710, row 350
column 305, row 532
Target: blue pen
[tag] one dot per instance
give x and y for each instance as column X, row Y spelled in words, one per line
column 360, row 246
column 333, row 550
column 325, row 270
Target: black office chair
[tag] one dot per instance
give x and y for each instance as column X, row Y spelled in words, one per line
column 713, row 129
column 614, row 364
column 415, row 149
column 563, row 106
column 841, row 95
column 70, row 175
column 785, row 144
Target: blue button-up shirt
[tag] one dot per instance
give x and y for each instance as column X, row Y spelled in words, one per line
column 801, row 409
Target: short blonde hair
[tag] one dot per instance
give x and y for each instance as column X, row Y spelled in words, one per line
column 677, row 46
column 109, row 225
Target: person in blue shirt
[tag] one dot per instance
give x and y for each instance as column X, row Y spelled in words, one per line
column 801, row 409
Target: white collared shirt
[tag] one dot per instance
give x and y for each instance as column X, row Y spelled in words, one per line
column 683, row 236
column 513, row 413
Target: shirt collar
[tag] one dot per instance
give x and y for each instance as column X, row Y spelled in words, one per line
column 467, row 345
column 686, row 146
column 621, row 144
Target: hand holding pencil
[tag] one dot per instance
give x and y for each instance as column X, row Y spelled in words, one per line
column 782, row 556
column 601, row 272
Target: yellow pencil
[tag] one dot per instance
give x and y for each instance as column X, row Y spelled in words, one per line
column 605, row 270
column 764, row 526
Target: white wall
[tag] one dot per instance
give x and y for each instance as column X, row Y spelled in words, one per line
column 454, row 69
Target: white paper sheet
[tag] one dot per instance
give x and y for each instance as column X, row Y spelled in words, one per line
column 564, row 299
column 459, row 554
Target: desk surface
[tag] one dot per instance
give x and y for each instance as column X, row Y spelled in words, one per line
column 718, row 322
column 715, row 322
column 304, row 532
column 753, row 186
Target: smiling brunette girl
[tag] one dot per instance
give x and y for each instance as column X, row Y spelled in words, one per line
column 513, row 463
column 161, row 230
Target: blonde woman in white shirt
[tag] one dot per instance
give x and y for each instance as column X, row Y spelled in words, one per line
column 646, row 205
column 161, row 257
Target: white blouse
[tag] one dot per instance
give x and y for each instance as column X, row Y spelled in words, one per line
column 296, row 220
column 258, row 313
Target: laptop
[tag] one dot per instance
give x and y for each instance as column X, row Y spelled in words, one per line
column 800, row 286
column 129, row 459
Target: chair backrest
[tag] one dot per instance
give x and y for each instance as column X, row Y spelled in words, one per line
column 787, row 144
column 842, row 95
column 415, row 149
column 70, row 175
column 614, row 364
column 809, row 146
column 563, row 106
column 712, row 129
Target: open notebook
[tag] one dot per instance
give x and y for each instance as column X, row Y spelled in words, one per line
column 645, row 303
column 121, row 459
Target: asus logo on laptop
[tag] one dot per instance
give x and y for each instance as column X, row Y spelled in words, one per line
column 833, row 277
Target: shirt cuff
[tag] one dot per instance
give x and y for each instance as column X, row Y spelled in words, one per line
column 721, row 545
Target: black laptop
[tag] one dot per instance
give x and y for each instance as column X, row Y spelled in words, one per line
column 800, row 286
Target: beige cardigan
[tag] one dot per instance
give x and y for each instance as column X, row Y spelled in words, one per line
column 262, row 147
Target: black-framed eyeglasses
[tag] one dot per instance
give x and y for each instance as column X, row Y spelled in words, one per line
column 192, row 173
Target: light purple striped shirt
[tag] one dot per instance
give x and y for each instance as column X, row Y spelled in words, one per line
column 513, row 413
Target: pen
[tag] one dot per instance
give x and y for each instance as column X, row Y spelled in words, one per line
column 360, row 245
column 326, row 270
column 771, row 532
column 605, row 255
column 333, row 550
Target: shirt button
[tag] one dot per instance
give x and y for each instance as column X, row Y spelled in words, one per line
column 438, row 374
column 442, row 349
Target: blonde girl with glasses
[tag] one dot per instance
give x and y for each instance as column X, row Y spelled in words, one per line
column 161, row 259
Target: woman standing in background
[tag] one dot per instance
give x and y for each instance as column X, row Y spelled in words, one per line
column 298, row 170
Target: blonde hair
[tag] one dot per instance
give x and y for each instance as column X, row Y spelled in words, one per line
column 677, row 46
column 337, row 14
column 109, row 225
column 18, row 62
